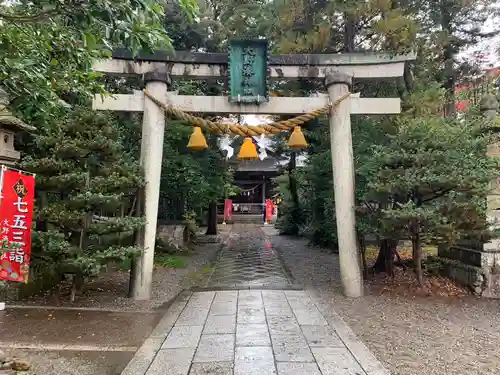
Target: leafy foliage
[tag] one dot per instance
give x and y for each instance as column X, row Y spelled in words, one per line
column 48, row 46
column 88, row 183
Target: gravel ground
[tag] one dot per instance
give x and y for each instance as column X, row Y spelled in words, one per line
column 73, row 363
column 109, row 290
column 411, row 335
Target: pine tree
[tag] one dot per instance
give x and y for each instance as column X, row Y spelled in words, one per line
column 431, row 179
column 87, row 181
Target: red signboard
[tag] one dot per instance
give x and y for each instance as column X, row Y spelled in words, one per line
column 269, row 210
column 16, row 214
column 228, row 210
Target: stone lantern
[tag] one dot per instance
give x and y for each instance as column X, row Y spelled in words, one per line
column 9, row 126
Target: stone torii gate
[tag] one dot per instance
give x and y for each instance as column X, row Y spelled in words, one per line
column 336, row 70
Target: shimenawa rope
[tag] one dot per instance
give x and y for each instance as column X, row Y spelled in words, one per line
column 246, row 131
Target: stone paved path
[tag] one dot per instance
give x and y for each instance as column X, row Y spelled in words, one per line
column 251, row 332
column 248, row 260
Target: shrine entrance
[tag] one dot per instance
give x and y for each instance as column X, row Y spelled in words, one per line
column 248, row 69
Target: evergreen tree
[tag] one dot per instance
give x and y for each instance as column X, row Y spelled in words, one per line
column 88, row 182
column 431, row 180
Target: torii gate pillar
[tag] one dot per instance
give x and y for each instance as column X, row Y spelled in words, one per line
column 339, row 84
column 153, row 129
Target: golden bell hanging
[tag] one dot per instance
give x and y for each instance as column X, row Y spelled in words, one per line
column 248, row 151
column 297, row 140
column 197, row 141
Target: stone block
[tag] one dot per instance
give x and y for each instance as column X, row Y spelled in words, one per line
column 321, row 336
column 174, row 236
column 285, row 324
column 143, row 358
column 215, row 348
column 213, row 368
column 309, row 316
column 297, row 368
column 251, row 315
column 252, row 335
column 183, row 337
column 257, row 360
column 220, row 324
column 251, row 298
column 192, row 316
column 171, row 362
column 336, row 361
column 223, row 308
column 291, row 348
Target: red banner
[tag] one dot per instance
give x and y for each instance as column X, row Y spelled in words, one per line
column 269, row 210
column 16, row 215
column 228, row 210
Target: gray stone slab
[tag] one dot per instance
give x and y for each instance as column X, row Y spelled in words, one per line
column 220, row 324
column 297, row 368
column 285, row 324
column 183, row 337
column 212, row 368
column 201, row 299
column 193, row 315
column 250, row 298
column 296, row 294
column 251, row 315
column 171, row 362
column 309, row 316
column 270, row 296
column 307, row 303
column 366, row 358
column 215, row 348
column 226, row 296
column 223, row 308
column 224, row 303
column 165, row 324
column 143, row 358
column 321, row 336
column 276, row 303
column 256, row 360
column 278, row 310
column 336, row 361
column 291, row 348
column 252, row 335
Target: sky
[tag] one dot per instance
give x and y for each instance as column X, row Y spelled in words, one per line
column 489, row 46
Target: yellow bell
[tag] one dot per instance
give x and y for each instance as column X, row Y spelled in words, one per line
column 297, row 140
column 248, row 151
column 197, row 141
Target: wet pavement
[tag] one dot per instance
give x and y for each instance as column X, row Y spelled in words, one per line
column 248, row 260
column 251, row 332
column 30, row 328
column 76, row 342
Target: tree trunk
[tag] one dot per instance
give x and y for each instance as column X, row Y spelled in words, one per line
column 385, row 258
column 417, row 258
column 349, row 32
column 295, row 213
column 448, row 53
column 212, row 218
column 42, row 202
column 362, row 250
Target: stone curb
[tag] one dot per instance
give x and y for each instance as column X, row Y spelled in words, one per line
column 142, row 359
column 366, row 359
column 218, row 288
column 67, row 347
